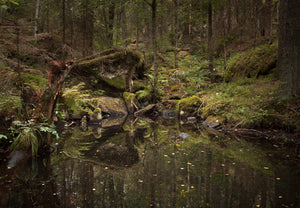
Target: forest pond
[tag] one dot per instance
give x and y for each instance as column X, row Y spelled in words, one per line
column 138, row 163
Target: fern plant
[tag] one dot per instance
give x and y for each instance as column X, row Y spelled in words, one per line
column 150, row 93
column 29, row 135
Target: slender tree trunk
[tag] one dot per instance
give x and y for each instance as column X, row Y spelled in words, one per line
column 137, row 31
column 63, row 29
column 190, row 19
column 176, row 33
column 154, row 43
column 267, row 17
column 123, row 20
column 84, row 30
column 71, row 25
column 209, row 37
column 111, row 17
column 37, row 9
column 289, row 48
column 229, row 14
column 47, row 17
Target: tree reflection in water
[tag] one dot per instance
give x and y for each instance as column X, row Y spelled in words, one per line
column 149, row 165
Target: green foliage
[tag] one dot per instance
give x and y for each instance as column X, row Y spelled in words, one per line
column 3, row 136
column 34, row 80
column 4, row 4
column 30, row 135
column 252, row 63
column 75, row 97
column 189, row 104
column 150, row 93
column 9, row 103
column 243, row 103
column 117, row 82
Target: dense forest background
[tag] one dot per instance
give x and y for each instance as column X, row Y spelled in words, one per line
column 214, row 60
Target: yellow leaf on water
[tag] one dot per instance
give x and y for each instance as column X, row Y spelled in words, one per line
column 278, row 179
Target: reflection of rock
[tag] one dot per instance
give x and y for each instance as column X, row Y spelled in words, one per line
column 114, row 154
column 148, row 111
column 113, row 122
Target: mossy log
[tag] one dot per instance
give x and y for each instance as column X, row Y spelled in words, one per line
column 111, row 63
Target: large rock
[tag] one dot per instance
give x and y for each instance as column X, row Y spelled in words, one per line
column 114, row 107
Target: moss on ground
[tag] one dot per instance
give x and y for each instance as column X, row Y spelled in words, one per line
column 250, row 103
column 252, row 63
column 188, row 105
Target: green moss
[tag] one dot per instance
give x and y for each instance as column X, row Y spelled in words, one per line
column 243, row 103
column 34, row 80
column 129, row 97
column 252, row 63
column 118, row 82
column 189, row 104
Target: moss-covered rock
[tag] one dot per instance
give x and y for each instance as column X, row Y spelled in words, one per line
column 117, row 82
column 110, row 63
column 188, row 106
column 115, row 107
column 252, row 63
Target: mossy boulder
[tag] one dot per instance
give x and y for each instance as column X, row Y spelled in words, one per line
column 111, row 69
column 110, row 63
column 115, row 107
column 252, row 63
column 188, row 106
column 214, row 121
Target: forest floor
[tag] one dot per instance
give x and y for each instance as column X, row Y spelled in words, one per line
column 225, row 98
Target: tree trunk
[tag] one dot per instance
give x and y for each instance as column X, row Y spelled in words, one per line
column 154, row 44
column 267, row 18
column 289, row 48
column 111, row 17
column 123, row 20
column 63, row 29
column 56, row 78
column 176, row 33
column 84, row 30
column 190, row 19
column 209, row 36
column 37, row 9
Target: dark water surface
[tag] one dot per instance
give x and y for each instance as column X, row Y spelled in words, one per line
column 142, row 164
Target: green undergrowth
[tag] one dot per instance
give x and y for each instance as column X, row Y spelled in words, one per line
column 78, row 100
column 248, row 103
column 252, row 63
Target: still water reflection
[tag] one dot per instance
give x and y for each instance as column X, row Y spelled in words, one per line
column 142, row 164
